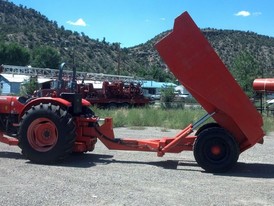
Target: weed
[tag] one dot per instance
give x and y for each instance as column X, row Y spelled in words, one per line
column 164, row 118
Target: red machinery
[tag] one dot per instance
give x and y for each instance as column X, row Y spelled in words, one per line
column 263, row 85
column 112, row 94
column 47, row 129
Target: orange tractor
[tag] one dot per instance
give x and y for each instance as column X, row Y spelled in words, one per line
column 48, row 129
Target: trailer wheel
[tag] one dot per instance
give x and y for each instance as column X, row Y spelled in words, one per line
column 215, row 150
column 206, row 126
column 47, row 134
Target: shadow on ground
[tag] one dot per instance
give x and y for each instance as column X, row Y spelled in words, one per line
column 253, row 170
column 11, row 155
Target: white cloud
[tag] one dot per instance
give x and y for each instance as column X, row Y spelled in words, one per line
column 79, row 22
column 247, row 13
column 243, row 13
column 163, row 19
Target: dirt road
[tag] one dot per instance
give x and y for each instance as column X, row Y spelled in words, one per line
column 107, row 177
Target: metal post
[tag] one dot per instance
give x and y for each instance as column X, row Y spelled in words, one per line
column 202, row 120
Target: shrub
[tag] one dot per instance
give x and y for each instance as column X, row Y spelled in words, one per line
column 167, row 97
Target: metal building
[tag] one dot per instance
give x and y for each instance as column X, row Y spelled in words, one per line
column 10, row 83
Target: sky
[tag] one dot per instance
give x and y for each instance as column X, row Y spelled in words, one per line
column 133, row 22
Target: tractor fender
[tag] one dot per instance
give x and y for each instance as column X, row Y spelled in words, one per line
column 45, row 100
column 86, row 103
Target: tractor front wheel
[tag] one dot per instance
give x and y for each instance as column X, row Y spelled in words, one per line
column 46, row 134
column 215, row 150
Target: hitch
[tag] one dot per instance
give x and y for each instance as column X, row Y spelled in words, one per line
column 180, row 142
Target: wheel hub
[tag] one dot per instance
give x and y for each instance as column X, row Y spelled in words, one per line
column 216, row 150
column 42, row 134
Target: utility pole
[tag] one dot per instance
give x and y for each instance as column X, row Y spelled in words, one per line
column 119, row 59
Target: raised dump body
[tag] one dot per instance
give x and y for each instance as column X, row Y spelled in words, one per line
column 194, row 62
column 216, row 146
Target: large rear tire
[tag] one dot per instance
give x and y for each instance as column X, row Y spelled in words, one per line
column 215, row 150
column 47, row 134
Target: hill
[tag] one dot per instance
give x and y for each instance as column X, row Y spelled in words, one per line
column 31, row 29
column 227, row 43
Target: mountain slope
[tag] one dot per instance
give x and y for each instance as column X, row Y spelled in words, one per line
column 31, row 29
column 227, row 43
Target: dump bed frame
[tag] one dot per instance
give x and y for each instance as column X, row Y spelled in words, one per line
column 194, row 62
column 238, row 125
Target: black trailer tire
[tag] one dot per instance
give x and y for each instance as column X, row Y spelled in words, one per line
column 215, row 150
column 46, row 134
column 206, row 126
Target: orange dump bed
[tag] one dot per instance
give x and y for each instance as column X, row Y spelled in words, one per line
column 194, row 62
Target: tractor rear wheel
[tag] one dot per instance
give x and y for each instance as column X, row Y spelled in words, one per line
column 47, row 134
column 215, row 150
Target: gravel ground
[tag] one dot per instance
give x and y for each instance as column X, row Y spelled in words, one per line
column 106, row 177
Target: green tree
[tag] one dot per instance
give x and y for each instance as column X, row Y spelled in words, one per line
column 155, row 73
column 29, row 86
column 14, row 54
column 46, row 57
column 245, row 69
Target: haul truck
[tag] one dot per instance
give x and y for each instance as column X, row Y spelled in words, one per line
column 48, row 129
